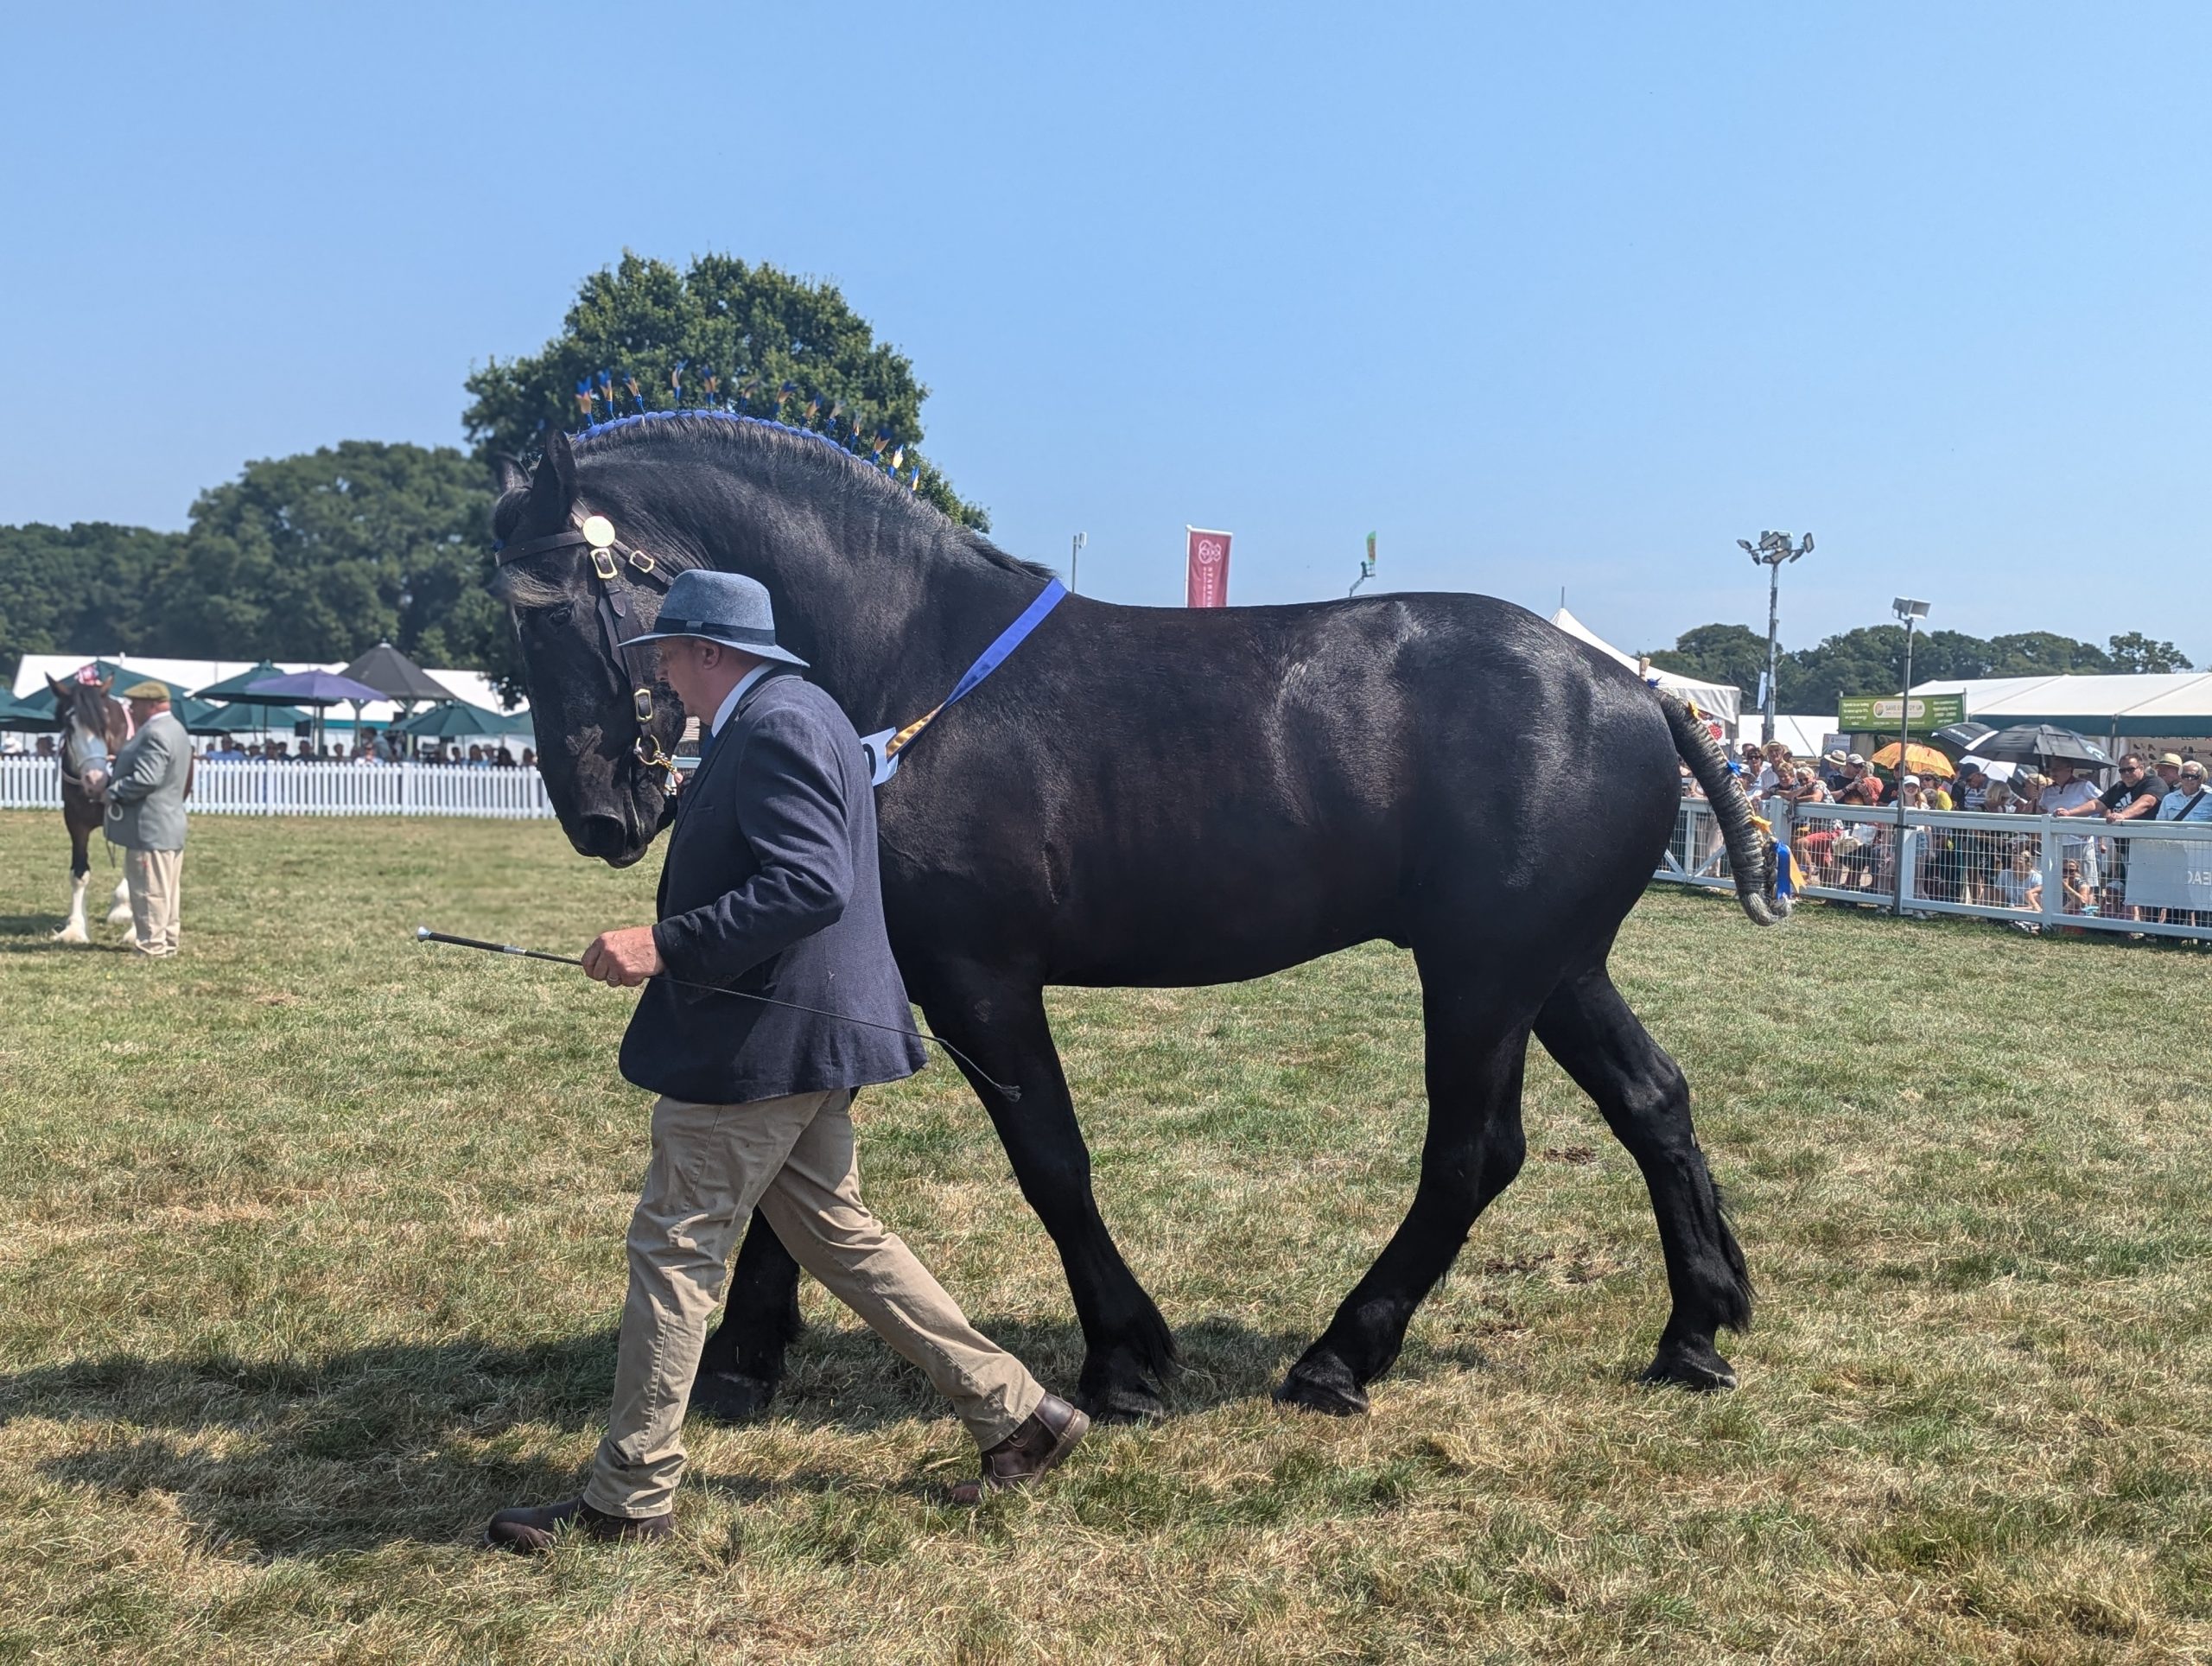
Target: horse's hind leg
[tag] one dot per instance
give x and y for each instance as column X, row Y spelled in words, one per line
column 118, row 907
column 743, row 1360
column 1643, row 1097
column 1478, row 1043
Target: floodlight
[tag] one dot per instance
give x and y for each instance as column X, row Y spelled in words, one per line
column 1906, row 607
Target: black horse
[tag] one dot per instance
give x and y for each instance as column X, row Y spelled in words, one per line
column 1163, row 796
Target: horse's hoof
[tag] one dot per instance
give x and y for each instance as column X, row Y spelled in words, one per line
column 1323, row 1383
column 1697, row 1367
column 1121, row 1402
column 72, row 934
column 119, row 916
column 729, row 1398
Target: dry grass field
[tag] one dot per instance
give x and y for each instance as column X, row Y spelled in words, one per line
column 312, row 1252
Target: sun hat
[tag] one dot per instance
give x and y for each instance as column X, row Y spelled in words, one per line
column 1854, row 758
column 2169, row 760
column 1835, row 758
column 148, row 690
column 725, row 607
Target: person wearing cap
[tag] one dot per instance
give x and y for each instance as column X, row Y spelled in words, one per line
column 769, row 882
column 2168, row 771
column 145, row 816
column 1972, row 784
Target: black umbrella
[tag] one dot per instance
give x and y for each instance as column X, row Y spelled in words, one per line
column 395, row 676
column 2041, row 743
column 1961, row 737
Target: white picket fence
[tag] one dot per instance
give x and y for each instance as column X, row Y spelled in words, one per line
column 260, row 787
column 2047, row 873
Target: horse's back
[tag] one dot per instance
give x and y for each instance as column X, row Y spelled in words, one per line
column 1192, row 796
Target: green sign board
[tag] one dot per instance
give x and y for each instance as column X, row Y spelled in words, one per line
column 1870, row 713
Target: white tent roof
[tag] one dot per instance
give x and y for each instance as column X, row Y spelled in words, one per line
column 30, row 676
column 1720, row 699
column 2152, row 703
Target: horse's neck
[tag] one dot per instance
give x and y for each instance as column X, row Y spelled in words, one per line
column 893, row 617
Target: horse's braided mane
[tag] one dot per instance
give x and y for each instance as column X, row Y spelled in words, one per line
column 758, row 435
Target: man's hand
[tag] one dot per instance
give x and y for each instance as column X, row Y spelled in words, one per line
column 624, row 958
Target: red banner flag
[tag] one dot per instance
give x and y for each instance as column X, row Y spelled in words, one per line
column 1205, row 582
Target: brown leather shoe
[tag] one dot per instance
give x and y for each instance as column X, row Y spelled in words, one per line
column 530, row 1528
column 1045, row 1436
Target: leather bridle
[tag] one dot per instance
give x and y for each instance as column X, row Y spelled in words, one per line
column 612, row 604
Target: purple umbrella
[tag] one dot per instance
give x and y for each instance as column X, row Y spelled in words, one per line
column 316, row 688
column 312, row 689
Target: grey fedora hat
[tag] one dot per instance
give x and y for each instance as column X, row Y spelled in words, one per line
column 725, row 607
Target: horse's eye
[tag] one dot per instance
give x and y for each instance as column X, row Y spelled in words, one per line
column 558, row 614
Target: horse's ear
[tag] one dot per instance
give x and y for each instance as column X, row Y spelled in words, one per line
column 507, row 473
column 106, row 683
column 58, row 690
column 553, row 493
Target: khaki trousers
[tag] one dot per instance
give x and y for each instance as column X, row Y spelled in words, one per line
column 793, row 1157
column 157, row 882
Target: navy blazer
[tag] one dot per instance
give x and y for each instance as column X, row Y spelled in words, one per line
column 769, row 886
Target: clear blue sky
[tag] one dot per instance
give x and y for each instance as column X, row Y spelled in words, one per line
column 1546, row 295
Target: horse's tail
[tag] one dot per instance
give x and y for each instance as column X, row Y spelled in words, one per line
column 1751, row 852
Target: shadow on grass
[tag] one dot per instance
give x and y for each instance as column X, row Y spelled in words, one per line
column 421, row 1442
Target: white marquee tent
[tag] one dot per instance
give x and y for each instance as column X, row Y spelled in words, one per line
column 1719, row 699
column 2161, row 704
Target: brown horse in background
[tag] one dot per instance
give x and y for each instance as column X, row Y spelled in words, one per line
column 94, row 726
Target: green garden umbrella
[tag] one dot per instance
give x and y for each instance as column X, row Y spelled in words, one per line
column 20, row 714
column 240, row 719
column 457, row 720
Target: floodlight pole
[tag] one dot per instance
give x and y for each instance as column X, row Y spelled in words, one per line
column 1074, row 558
column 1771, row 550
column 1912, row 612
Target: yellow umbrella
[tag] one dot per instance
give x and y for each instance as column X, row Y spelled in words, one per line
column 1924, row 760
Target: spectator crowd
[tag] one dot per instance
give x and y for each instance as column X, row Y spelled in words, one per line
column 1999, row 867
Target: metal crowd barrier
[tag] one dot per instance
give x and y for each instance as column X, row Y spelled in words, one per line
column 2043, row 873
column 266, row 787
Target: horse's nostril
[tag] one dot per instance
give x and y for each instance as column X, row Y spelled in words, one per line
column 603, row 837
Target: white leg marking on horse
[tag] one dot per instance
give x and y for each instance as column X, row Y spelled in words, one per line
column 118, row 913
column 74, row 930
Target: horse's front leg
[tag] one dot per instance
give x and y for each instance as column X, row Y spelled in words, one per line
column 80, row 873
column 1128, row 1349
column 743, row 1360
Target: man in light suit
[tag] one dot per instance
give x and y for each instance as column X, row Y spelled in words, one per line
column 145, row 816
column 768, row 887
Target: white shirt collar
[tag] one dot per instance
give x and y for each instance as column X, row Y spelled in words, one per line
column 730, row 700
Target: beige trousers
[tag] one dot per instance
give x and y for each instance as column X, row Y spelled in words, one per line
column 794, row 1157
column 157, row 882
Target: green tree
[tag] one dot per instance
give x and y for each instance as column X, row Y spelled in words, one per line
column 753, row 328
column 2045, row 653
column 1732, row 654
column 92, row 587
column 2138, row 652
column 322, row 555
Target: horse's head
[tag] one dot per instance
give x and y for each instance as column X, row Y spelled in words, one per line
column 595, row 748
column 94, row 728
